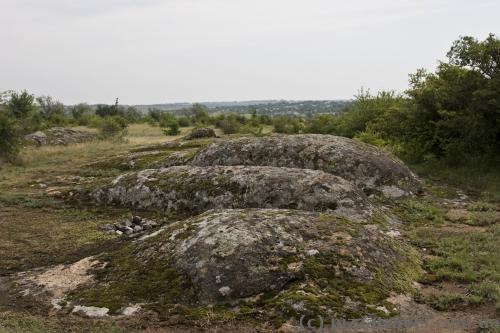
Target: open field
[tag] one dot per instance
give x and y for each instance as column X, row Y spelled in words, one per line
column 456, row 231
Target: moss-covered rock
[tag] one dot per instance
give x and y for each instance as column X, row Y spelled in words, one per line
column 200, row 133
column 281, row 262
column 190, row 189
column 367, row 166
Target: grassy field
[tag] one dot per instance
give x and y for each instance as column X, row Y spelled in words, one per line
column 455, row 226
column 40, row 229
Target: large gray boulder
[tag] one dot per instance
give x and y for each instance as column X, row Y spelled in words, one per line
column 191, row 189
column 234, row 254
column 365, row 165
column 283, row 261
column 37, row 138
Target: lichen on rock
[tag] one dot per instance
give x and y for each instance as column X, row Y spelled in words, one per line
column 284, row 261
column 367, row 166
column 193, row 189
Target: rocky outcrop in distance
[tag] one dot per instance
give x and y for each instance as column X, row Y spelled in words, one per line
column 59, row 136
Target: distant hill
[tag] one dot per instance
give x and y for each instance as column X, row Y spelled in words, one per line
column 271, row 107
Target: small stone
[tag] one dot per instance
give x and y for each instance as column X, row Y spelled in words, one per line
column 225, row 291
column 119, row 233
column 128, row 230
column 383, row 309
column 393, row 233
column 54, row 194
column 312, row 252
column 90, row 311
column 148, row 224
column 323, row 283
column 130, row 310
column 108, row 228
column 295, row 267
column 137, row 228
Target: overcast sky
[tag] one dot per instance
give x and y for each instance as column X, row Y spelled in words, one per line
column 152, row 51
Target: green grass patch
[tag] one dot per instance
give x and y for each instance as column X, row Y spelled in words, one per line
column 11, row 322
column 481, row 177
column 469, row 258
column 419, row 212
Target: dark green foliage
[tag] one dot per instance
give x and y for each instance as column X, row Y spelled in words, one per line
column 322, row 124
column 165, row 119
column 81, row 110
column 288, row 125
column 111, row 127
column 172, row 128
column 104, row 110
column 451, row 115
column 21, row 105
column 231, row 123
column 199, row 114
column 184, row 121
column 459, row 105
column 9, row 137
column 154, row 115
column 52, row 110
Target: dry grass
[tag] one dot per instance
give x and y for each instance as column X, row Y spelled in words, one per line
column 37, row 229
column 40, row 162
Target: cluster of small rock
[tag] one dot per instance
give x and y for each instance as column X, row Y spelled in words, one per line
column 134, row 225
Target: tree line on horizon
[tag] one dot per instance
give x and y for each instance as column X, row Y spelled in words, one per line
column 451, row 114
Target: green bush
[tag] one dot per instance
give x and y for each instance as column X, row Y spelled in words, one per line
column 9, row 137
column 166, row 119
column 229, row 124
column 172, row 128
column 256, row 130
column 322, row 124
column 112, row 127
column 184, row 121
column 288, row 125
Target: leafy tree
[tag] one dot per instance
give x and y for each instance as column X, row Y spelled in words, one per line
column 80, row 110
column 154, row 115
column 166, row 119
column 265, row 119
column 9, row 136
column 22, row 105
column 184, row 121
column 322, row 124
column 172, row 128
column 112, row 127
column 287, row 125
column 104, row 110
column 481, row 56
column 458, row 106
column 131, row 114
column 229, row 124
column 50, row 107
column 199, row 114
